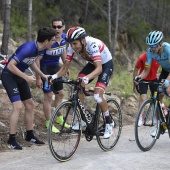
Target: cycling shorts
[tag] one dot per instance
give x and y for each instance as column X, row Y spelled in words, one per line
column 103, row 78
column 144, row 87
column 50, row 70
column 16, row 87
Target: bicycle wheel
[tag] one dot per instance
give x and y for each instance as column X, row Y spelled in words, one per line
column 143, row 134
column 115, row 112
column 64, row 144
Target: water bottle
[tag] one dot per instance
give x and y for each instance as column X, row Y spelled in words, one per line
column 46, row 85
column 164, row 109
column 160, row 88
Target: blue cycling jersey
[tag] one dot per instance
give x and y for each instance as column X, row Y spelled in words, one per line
column 52, row 56
column 25, row 55
column 163, row 59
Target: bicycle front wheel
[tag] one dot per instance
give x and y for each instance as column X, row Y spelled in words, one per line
column 115, row 113
column 64, row 144
column 144, row 136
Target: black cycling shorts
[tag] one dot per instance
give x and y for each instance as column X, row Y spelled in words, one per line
column 50, row 70
column 143, row 87
column 103, row 78
column 16, row 87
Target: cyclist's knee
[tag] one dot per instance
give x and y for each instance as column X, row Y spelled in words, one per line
column 29, row 104
column 97, row 98
column 17, row 106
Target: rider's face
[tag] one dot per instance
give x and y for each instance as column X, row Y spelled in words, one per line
column 76, row 46
column 156, row 48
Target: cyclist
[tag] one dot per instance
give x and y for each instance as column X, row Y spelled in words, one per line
column 16, row 83
column 152, row 76
column 160, row 51
column 49, row 64
column 100, row 64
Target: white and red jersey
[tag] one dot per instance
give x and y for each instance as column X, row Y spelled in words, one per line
column 95, row 49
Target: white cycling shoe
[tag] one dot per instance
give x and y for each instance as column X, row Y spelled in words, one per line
column 76, row 126
column 153, row 133
column 108, row 130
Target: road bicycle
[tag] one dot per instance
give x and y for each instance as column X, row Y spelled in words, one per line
column 153, row 120
column 64, row 144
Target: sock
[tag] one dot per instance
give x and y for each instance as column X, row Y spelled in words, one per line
column 29, row 134
column 107, row 117
column 11, row 137
column 31, row 138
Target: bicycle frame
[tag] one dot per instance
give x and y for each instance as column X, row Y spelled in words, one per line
column 85, row 115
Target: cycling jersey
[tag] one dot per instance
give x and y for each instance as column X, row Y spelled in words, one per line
column 140, row 64
column 52, row 56
column 25, row 55
column 163, row 59
column 96, row 50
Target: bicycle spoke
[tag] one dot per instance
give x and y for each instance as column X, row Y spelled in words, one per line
column 115, row 112
column 64, row 144
column 144, row 136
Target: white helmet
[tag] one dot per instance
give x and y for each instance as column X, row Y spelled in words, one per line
column 75, row 33
column 154, row 38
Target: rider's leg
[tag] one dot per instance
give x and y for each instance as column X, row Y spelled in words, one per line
column 29, row 119
column 47, row 105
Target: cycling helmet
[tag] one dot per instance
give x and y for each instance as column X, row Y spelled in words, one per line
column 154, row 38
column 75, row 33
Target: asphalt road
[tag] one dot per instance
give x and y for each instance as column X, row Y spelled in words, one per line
column 125, row 156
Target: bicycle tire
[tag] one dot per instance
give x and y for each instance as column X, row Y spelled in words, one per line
column 116, row 115
column 144, row 140
column 64, row 144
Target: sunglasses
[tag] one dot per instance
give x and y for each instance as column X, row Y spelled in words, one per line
column 58, row 26
column 154, row 46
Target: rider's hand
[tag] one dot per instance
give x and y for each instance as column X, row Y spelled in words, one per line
column 165, row 83
column 30, row 79
column 39, row 83
column 137, row 79
column 85, row 80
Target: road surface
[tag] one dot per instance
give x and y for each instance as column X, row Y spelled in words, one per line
column 125, row 156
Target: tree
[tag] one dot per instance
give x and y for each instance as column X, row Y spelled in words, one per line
column 29, row 33
column 109, row 24
column 6, row 29
column 116, row 26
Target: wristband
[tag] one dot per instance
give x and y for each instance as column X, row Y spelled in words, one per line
column 54, row 76
column 86, row 80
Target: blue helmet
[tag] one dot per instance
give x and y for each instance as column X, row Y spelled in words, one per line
column 154, row 38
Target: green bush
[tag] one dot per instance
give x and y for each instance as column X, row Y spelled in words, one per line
column 18, row 24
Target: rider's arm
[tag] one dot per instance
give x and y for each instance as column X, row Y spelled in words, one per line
column 97, row 71
column 38, row 71
column 62, row 70
column 37, row 61
column 148, row 63
column 12, row 67
column 145, row 72
column 135, row 72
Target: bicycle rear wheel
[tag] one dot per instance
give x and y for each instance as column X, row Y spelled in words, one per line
column 143, row 134
column 115, row 113
column 64, row 144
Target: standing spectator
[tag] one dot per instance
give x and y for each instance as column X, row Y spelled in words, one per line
column 16, row 82
column 49, row 64
column 152, row 76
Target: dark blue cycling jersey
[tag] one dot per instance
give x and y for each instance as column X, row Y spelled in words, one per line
column 25, row 55
column 52, row 56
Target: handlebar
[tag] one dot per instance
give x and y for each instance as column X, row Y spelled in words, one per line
column 71, row 82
